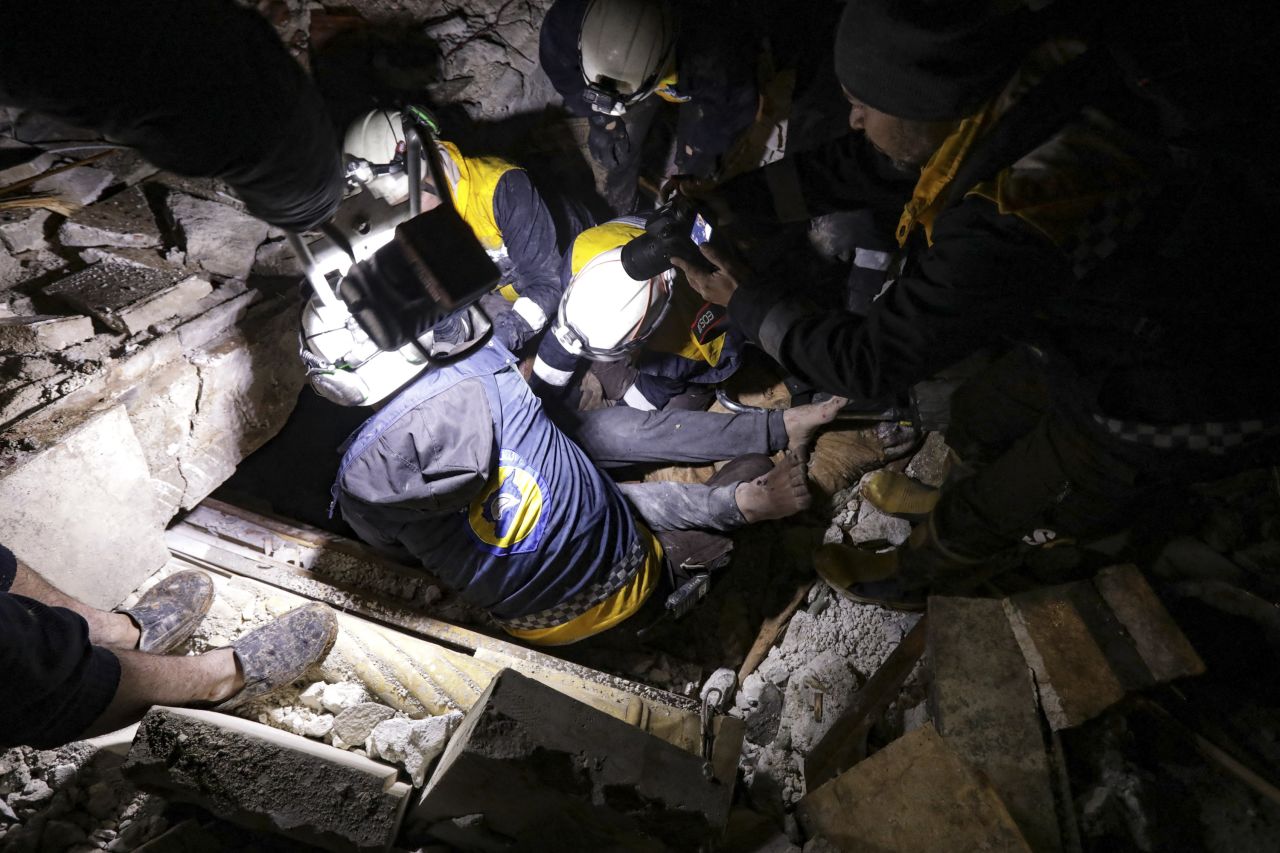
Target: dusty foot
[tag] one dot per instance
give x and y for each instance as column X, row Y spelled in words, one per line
column 803, row 421
column 778, row 494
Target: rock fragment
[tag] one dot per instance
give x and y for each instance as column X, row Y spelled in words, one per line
column 123, row 220
column 218, row 238
column 42, row 333
column 128, row 299
column 413, row 743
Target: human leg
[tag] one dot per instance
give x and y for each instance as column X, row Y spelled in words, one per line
column 105, row 629
column 147, row 680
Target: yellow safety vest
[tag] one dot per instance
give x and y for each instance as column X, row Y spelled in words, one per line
column 473, row 181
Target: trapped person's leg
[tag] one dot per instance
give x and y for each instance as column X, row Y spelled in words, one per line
column 621, row 435
column 105, row 629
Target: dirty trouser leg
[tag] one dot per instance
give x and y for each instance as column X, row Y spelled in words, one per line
column 697, row 506
column 620, row 435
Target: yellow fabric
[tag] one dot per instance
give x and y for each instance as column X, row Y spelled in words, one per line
column 508, row 293
column 600, row 239
column 472, row 183
column 668, row 91
column 1056, row 187
column 621, row 605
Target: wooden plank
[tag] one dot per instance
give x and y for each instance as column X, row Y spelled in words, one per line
column 844, row 744
column 1163, row 647
column 769, row 632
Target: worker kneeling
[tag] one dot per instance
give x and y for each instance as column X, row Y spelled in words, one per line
column 462, row 470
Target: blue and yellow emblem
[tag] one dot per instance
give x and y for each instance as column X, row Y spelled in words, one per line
column 507, row 516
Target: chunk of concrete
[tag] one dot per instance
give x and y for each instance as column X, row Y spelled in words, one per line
column 128, row 299
column 82, row 511
column 123, row 220
column 915, row 794
column 161, row 411
column 354, row 725
column 11, row 271
column 530, row 764
column 295, row 787
column 876, row 526
column 413, row 743
column 983, row 702
column 148, row 258
column 23, row 230
column 1161, row 644
column 80, row 186
column 218, row 238
column 42, row 333
column 929, row 465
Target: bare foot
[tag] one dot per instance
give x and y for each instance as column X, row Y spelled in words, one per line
column 803, row 421
column 778, row 494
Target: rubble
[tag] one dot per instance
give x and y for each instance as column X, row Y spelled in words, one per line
column 124, row 220
column 355, row 724
column 217, row 238
column 42, row 333
column 414, row 744
column 128, row 299
column 298, row 788
column 78, row 186
column 23, row 230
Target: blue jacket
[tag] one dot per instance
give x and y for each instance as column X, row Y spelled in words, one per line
column 463, row 471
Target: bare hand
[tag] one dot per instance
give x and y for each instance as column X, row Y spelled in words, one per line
column 716, row 287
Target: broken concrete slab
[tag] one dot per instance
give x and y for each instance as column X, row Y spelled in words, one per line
column 915, row 794
column 354, row 725
column 79, row 186
column 929, row 465
column 161, row 411
column 876, row 526
column 148, row 258
column 98, row 540
column 530, row 764
column 124, row 220
column 298, row 787
column 42, row 333
column 1163, row 647
column 218, row 238
column 128, row 299
column 414, row 744
column 983, row 702
column 23, row 230
column 11, row 271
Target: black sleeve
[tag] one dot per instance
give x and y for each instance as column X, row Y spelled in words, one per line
column 847, row 173
column 529, row 233
column 200, row 87
column 8, row 568
column 980, row 283
column 717, row 71
column 558, row 52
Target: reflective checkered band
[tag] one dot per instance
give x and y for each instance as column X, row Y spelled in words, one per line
column 1215, row 437
column 1105, row 229
column 566, row 611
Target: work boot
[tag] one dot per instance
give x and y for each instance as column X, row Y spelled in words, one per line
column 898, row 495
column 281, row 651
column 896, row 579
column 168, row 613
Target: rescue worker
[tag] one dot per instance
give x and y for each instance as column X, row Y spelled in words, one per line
column 462, row 470
column 656, row 344
column 522, row 230
column 618, row 61
column 75, row 671
column 1046, row 215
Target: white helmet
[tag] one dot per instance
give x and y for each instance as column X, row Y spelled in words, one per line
column 605, row 313
column 627, row 47
column 346, row 367
column 376, row 143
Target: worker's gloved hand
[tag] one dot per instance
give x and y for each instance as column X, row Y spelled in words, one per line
column 716, row 287
column 608, row 140
column 511, row 330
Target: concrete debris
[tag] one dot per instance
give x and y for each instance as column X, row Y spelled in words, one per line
column 817, row 694
column 298, row 788
column 276, row 258
column 414, row 744
column 128, row 299
column 531, row 764
column 217, row 238
column 875, row 526
column 983, row 702
column 930, row 464
column 123, row 220
column 42, row 333
column 23, row 230
column 355, row 724
column 79, row 186
column 339, row 697
column 147, row 258
column 915, row 794
column 11, row 271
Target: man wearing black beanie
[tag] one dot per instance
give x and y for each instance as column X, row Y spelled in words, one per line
column 1048, row 215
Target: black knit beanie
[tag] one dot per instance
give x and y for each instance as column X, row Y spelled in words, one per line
column 929, row 60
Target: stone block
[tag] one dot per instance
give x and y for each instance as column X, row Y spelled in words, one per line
column 983, row 702
column 218, row 238
column 1163, row 647
column 80, row 186
column 217, row 321
column 42, row 333
column 160, row 409
column 23, row 230
column 529, row 765
column 915, row 794
column 123, row 220
column 11, row 271
column 929, row 465
column 82, row 511
column 249, row 383
column 354, row 725
column 128, row 299
column 415, row 744
column 267, row 779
